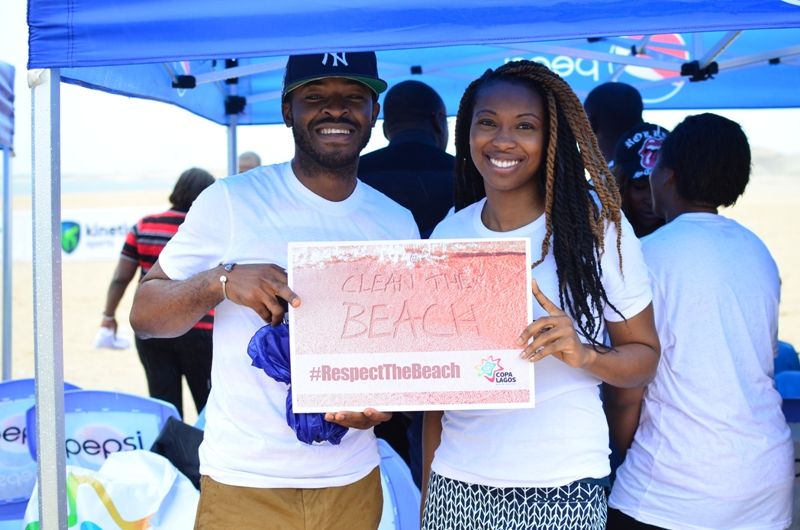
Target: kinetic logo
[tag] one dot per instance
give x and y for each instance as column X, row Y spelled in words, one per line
column 70, row 236
column 668, row 82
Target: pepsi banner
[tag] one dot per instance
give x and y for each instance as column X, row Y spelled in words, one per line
column 6, row 105
column 756, row 69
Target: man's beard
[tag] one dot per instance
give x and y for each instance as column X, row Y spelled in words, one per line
column 335, row 160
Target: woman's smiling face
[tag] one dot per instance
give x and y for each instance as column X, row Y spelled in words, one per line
column 507, row 136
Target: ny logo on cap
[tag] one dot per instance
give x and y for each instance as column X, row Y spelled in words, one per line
column 336, row 58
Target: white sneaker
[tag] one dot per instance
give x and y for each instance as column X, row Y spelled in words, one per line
column 106, row 338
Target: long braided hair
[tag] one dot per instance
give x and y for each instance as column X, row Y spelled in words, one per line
column 573, row 218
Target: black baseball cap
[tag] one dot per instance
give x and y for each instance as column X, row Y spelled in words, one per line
column 636, row 151
column 358, row 66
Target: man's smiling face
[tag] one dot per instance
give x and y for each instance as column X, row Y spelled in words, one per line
column 331, row 120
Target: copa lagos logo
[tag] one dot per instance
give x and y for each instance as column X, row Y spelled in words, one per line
column 491, row 370
column 70, row 236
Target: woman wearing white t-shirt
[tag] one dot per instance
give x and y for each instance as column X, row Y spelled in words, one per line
column 523, row 145
column 712, row 449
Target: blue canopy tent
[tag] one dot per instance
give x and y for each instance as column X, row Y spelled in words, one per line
column 661, row 66
column 726, row 45
column 223, row 60
column 7, row 147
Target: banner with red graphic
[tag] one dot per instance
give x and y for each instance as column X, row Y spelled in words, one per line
column 410, row 325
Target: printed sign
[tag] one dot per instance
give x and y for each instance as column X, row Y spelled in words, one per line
column 410, row 325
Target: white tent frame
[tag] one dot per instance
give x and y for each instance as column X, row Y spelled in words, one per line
column 7, row 263
column 47, row 303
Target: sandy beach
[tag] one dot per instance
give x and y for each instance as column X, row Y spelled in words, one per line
column 767, row 208
column 84, row 286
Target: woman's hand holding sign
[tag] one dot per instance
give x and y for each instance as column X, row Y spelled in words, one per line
column 630, row 362
column 358, row 420
column 554, row 335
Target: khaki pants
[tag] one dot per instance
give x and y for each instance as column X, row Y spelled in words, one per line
column 357, row 506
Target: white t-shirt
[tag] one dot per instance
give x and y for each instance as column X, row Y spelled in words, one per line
column 565, row 437
column 250, row 218
column 713, row 449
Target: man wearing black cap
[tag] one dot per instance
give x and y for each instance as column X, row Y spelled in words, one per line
column 231, row 254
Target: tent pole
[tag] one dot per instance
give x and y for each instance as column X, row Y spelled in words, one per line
column 233, row 167
column 233, row 121
column 232, row 85
column 48, row 331
column 8, row 262
column 719, row 47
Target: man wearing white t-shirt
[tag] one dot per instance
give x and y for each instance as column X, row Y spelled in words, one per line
column 230, row 254
column 712, row 450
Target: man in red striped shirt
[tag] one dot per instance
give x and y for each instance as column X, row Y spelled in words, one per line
column 165, row 361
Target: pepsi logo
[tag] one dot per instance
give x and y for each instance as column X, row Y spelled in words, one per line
column 666, row 83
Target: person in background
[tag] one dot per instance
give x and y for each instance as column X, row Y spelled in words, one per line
column 635, row 156
column 612, row 109
column 523, row 149
column 414, row 169
column 712, row 448
column 231, row 254
column 417, row 172
column 248, row 160
column 166, row 361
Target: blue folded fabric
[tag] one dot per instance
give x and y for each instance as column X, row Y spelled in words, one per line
column 269, row 350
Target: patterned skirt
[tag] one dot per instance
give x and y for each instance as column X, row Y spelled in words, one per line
column 456, row 505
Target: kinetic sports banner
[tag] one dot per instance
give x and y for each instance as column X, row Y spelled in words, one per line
column 87, row 234
column 410, row 325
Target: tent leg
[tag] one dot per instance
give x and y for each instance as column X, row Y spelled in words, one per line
column 8, row 263
column 233, row 166
column 48, row 332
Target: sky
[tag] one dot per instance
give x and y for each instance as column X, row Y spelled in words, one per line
column 133, row 142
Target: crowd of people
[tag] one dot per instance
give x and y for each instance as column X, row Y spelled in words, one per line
column 654, row 329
